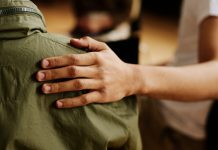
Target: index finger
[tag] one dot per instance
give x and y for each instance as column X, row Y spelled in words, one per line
column 86, row 59
column 89, row 44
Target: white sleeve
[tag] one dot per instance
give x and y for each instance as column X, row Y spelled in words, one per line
column 205, row 9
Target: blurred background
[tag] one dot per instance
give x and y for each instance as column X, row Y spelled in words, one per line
column 157, row 33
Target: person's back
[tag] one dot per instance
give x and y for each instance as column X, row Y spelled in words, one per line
column 28, row 119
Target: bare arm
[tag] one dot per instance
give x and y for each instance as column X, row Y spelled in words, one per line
column 190, row 83
column 110, row 79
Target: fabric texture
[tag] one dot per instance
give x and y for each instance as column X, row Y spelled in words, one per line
column 190, row 118
column 28, row 118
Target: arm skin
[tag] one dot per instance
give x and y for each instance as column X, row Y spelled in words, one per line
column 109, row 79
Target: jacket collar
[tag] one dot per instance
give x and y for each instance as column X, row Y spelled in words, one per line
column 19, row 19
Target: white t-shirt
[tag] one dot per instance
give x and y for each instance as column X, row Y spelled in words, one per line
column 190, row 118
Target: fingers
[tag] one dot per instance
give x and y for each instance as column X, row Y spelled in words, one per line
column 66, row 60
column 77, row 59
column 73, row 85
column 67, row 72
column 82, row 100
column 89, row 43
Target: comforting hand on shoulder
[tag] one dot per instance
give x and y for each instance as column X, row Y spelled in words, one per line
column 100, row 71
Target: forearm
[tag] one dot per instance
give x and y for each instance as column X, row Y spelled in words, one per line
column 191, row 83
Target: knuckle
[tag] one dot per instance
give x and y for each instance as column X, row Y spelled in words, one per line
column 73, row 59
column 70, row 103
column 55, row 88
column 67, row 103
column 78, row 85
column 72, row 71
column 101, row 85
column 104, row 93
column 84, row 100
column 94, row 56
column 86, row 38
column 49, row 75
column 104, row 45
column 104, row 96
column 54, row 62
column 98, row 57
column 106, row 81
column 102, row 73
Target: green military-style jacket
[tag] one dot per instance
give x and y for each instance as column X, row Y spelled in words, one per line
column 28, row 119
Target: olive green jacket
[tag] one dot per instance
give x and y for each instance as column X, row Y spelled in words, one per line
column 28, row 119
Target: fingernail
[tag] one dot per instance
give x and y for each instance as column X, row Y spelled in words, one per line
column 45, row 63
column 46, row 88
column 41, row 76
column 59, row 104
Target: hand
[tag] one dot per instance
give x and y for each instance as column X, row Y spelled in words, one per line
column 100, row 71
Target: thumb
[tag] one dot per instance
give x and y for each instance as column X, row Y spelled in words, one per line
column 89, row 44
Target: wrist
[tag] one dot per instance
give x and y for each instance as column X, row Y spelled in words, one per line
column 137, row 81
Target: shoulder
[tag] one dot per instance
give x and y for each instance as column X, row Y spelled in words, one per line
column 57, row 40
column 27, row 52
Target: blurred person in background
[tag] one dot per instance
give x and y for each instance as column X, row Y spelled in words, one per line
column 115, row 22
column 98, row 18
column 186, row 90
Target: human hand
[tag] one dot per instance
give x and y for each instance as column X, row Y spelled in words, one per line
column 100, row 71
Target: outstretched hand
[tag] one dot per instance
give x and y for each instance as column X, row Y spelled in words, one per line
column 100, row 71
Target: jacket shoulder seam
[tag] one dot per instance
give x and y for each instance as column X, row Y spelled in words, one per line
column 62, row 44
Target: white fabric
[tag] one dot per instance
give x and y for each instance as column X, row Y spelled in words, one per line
column 190, row 118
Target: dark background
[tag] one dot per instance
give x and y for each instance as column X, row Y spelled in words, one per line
column 169, row 8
